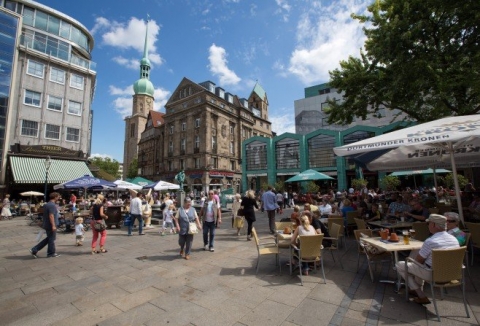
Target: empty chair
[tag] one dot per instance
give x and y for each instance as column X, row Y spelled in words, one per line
column 372, row 255
column 335, row 234
column 447, row 271
column 339, row 221
column 310, row 251
column 268, row 248
column 421, row 230
column 361, row 224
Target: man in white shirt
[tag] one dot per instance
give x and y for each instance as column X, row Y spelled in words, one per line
column 136, row 213
column 325, row 209
column 439, row 240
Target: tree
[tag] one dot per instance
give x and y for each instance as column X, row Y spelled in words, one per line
column 422, row 57
column 359, row 183
column 133, row 169
column 312, row 187
column 390, row 182
column 106, row 164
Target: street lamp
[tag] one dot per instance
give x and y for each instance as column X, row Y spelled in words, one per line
column 48, row 162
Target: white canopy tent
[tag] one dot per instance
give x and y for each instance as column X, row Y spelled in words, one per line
column 162, row 185
column 124, row 185
column 445, row 143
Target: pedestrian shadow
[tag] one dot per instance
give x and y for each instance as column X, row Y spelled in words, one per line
column 167, row 257
column 26, row 257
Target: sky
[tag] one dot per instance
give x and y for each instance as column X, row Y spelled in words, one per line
column 284, row 45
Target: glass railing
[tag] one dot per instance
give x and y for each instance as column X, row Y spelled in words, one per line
column 42, row 47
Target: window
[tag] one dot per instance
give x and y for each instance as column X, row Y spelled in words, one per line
column 171, row 129
column 52, row 131
column 170, row 146
column 182, row 164
column 132, row 130
column 73, row 134
column 232, row 150
column 55, row 103
column 214, row 162
column 243, row 132
column 214, row 142
column 231, row 129
column 57, row 76
column 76, row 81
column 182, row 144
column 197, row 163
column 32, row 98
column 35, row 68
column 170, row 166
column 74, row 108
column 197, row 123
column 29, row 128
column 184, row 126
column 232, row 165
column 197, row 141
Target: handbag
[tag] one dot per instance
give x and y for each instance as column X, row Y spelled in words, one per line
column 100, row 225
column 192, row 228
column 240, row 212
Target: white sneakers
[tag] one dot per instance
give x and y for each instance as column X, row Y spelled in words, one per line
column 205, row 248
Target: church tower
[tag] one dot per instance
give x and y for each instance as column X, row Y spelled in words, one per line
column 142, row 105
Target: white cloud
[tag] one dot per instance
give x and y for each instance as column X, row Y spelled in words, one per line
column 218, row 66
column 283, row 10
column 130, row 36
column 283, row 123
column 326, row 35
column 104, row 156
column 133, row 64
column 123, row 102
column 113, row 90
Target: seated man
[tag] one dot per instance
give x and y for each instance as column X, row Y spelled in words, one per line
column 373, row 214
column 310, row 207
column 418, row 212
column 439, row 240
column 453, row 229
column 325, row 208
column 397, row 207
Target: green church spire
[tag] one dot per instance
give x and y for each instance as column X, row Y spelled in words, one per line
column 144, row 85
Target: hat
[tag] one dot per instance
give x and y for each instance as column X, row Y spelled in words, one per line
column 438, row 219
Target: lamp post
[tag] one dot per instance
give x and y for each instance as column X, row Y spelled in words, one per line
column 48, row 162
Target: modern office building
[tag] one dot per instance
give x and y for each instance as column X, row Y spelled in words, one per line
column 47, row 89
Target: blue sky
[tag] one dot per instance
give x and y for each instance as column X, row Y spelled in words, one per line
column 285, row 45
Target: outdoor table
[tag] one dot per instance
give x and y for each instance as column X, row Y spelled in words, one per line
column 283, row 236
column 394, row 247
column 393, row 226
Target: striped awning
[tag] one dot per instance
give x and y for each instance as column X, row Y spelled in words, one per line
column 32, row 170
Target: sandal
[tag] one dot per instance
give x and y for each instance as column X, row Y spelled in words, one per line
column 94, row 251
column 103, row 250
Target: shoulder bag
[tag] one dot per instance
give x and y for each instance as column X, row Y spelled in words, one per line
column 192, row 226
column 100, row 225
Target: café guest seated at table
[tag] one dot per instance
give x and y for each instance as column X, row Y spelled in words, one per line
column 397, row 207
column 373, row 214
column 439, row 240
column 418, row 212
column 305, row 228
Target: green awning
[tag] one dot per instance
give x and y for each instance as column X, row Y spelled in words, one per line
column 32, row 170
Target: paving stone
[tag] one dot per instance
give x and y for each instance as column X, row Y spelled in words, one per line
column 91, row 317
column 137, row 298
column 47, row 317
column 135, row 316
column 267, row 313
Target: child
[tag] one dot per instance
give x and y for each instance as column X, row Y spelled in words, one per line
column 168, row 220
column 79, row 231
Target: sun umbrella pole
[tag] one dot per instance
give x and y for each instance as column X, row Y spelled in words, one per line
column 435, row 182
column 455, row 180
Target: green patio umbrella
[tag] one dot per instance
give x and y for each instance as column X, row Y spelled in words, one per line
column 309, row 175
column 139, row 181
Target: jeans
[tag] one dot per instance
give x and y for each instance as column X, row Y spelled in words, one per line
column 185, row 240
column 208, row 226
column 271, row 220
column 140, row 223
column 50, row 240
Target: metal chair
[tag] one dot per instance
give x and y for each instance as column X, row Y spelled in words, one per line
column 371, row 257
column 310, row 251
column 337, row 220
column 268, row 248
column 335, row 234
column 447, row 271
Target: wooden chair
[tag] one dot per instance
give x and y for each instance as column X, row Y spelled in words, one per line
column 474, row 230
column 335, row 234
column 371, row 258
column 263, row 249
column 361, row 224
column 447, row 271
column 310, row 251
column 421, row 230
column 337, row 220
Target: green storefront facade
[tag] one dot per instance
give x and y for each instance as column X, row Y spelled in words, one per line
column 270, row 160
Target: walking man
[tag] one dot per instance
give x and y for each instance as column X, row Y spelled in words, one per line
column 136, row 213
column 269, row 204
column 50, row 222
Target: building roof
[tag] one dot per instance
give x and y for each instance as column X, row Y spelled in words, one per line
column 144, row 85
column 259, row 91
column 157, row 118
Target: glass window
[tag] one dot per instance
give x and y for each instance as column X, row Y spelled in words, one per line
column 74, row 108
column 10, row 5
column 52, row 131
column 171, row 129
column 41, row 19
column 320, row 151
column 232, row 148
column 197, row 123
column 29, row 128
column 287, row 153
column 32, row 98
column 256, row 153
column 57, row 75
column 197, row 163
column 65, row 29
column 214, row 162
column 76, row 81
column 55, row 103
column 132, row 130
column 40, row 42
column 28, row 14
column 52, row 47
column 73, row 134
column 232, row 165
column 183, row 144
column 53, row 25
column 35, row 68
column 197, row 141
column 214, row 142
column 170, row 146
column 184, row 126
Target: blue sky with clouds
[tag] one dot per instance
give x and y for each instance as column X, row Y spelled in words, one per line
column 286, row 45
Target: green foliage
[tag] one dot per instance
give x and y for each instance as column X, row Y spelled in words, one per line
column 264, row 186
column 421, row 58
column 449, row 180
column 106, row 164
column 279, row 186
column 359, row 183
column 390, row 182
column 312, row 187
column 133, row 169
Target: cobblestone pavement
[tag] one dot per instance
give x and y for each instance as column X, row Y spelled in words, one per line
column 142, row 280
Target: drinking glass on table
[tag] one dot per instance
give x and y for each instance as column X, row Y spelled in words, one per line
column 412, row 233
column 406, row 237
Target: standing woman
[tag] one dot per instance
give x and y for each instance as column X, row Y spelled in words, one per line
column 6, row 213
column 185, row 215
column 98, row 215
column 237, row 220
column 248, row 203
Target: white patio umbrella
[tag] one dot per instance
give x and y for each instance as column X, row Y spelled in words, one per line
column 162, row 185
column 443, row 143
column 124, row 185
